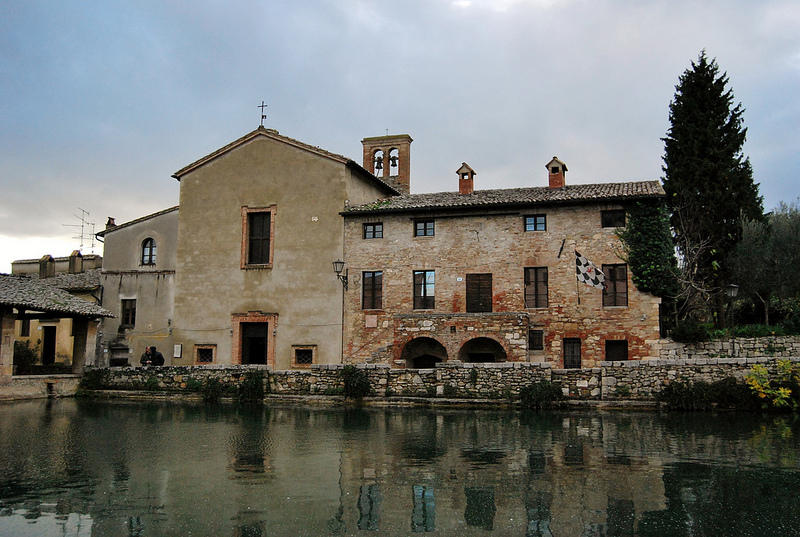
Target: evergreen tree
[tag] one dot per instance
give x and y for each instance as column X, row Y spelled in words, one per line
column 708, row 182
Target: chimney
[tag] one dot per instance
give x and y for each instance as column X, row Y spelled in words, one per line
column 47, row 267
column 75, row 262
column 111, row 222
column 389, row 159
column 466, row 175
column 556, row 171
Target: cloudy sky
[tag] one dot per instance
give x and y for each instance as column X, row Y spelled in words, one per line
column 102, row 101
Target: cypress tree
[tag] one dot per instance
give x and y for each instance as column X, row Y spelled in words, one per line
column 708, row 181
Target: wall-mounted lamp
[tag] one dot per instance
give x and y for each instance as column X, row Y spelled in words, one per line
column 338, row 267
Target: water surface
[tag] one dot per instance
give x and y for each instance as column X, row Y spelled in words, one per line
column 85, row 467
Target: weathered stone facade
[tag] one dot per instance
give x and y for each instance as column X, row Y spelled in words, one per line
column 491, row 242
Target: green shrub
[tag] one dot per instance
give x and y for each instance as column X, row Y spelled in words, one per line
column 194, row 385
column 540, row 395
column 702, row 396
column 473, row 376
column 356, row 383
column 212, row 390
column 94, row 379
column 622, row 391
column 25, row 357
column 450, row 390
column 152, row 385
column 251, row 387
column 690, row 331
column 779, row 390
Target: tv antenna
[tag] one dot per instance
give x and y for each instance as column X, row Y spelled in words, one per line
column 86, row 231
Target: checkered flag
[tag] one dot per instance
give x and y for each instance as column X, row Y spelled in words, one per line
column 587, row 273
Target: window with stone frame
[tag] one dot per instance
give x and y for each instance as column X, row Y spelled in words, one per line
column 536, row 340
column 572, row 353
column 536, row 222
column 372, row 290
column 303, row 355
column 373, row 230
column 536, row 287
column 613, row 218
column 128, row 313
column 615, row 292
column 148, row 251
column 424, row 228
column 258, row 231
column 204, row 354
column 424, row 288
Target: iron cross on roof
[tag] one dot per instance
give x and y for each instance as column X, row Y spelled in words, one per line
column 262, row 106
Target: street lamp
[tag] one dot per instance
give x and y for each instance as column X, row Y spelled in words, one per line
column 731, row 290
column 338, row 267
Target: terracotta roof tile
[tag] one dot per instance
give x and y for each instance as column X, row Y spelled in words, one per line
column 571, row 194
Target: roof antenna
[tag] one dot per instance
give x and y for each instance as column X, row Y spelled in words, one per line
column 262, row 106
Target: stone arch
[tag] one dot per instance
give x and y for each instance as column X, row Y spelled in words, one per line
column 394, row 162
column 423, row 353
column 482, row 349
column 378, row 163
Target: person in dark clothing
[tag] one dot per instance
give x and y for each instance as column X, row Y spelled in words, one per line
column 158, row 358
column 151, row 356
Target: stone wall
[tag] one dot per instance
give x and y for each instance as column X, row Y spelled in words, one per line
column 764, row 347
column 39, row 386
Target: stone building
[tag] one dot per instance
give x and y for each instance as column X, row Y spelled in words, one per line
column 490, row 275
column 53, row 337
column 138, row 280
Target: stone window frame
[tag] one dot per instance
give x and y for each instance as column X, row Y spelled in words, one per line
column 148, row 257
column 204, row 347
column 536, row 339
column 536, row 282
column 304, row 349
column 372, row 300
column 611, row 218
column 238, row 319
column 424, row 227
column 615, row 289
column 570, row 344
column 373, row 230
column 246, row 212
column 535, row 222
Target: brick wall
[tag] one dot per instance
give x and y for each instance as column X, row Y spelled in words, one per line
column 495, row 244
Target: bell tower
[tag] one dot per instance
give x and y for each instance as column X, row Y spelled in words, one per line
column 389, row 158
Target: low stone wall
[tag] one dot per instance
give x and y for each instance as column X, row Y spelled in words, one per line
column 39, row 386
column 762, row 347
column 636, row 380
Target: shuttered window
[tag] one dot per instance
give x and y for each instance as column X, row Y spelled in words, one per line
column 479, row 293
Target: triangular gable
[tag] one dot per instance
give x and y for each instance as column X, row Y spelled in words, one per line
column 272, row 134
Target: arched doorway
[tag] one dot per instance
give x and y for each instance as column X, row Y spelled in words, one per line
column 423, row 353
column 482, row 349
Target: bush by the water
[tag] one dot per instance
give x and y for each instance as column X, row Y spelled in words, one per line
column 540, row 395
column 778, row 390
column 722, row 394
column 251, row 387
column 356, row 383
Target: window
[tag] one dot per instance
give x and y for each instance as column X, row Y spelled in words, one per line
column 128, row 313
column 373, row 230
column 372, row 290
column 303, row 355
column 25, row 328
column 423, row 228
column 424, row 290
column 572, row 353
column 257, row 235
column 204, row 354
column 479, row 293
column 536, row 340
column 615, row 218
column 149, row 252
column 536, row 222
column 615, row 292
column 536, row 287
column 616, row 350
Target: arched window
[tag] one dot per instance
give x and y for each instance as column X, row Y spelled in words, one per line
column 377, row 163
column 149, row 252
column 394, row 162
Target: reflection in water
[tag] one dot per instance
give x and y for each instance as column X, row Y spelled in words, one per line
column 73, row 467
